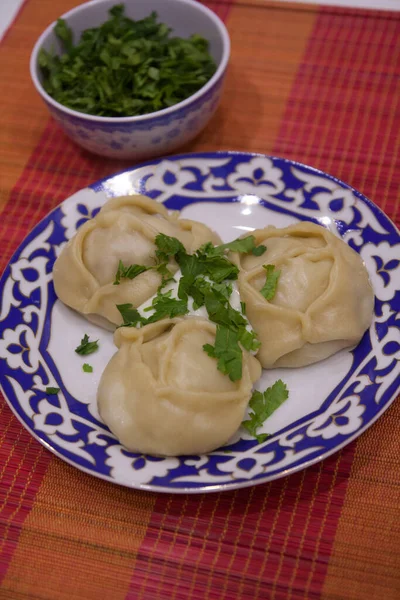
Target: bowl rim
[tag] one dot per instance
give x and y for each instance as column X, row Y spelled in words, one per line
column 226, row 46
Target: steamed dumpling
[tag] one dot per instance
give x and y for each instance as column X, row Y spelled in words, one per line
column 124, row 229
column 323, row 302
column 162, row 394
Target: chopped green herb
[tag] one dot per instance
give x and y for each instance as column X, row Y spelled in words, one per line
column 205, row 279
column 219, row 268
column 242, row 245
column 269, row 288
column 223, row 314
column 227, row 351
column 87, row 368
column 262, row 405
column 86, row 346
column 124, row 68
column 259, row 250
column 128, row 272
column 168, row 247
column 165, row 273
column 243, row 307
column 130, row 315
column 248, row 339
column 134, row 270
column 164, row 307
column 64, row 33
column 52, row 391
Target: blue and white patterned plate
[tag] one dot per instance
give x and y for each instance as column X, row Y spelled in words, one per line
column 330, row 403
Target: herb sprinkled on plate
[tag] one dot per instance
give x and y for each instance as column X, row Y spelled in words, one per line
column 86, row 346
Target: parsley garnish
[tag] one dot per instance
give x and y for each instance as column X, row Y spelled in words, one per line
column 164, row 307
column 87, row 368
column 52, row 391
column 124, row 68
column 168, row 247
column 205, row 279
column 130, row 315
column 128, row 272
column 242, row 245
column 165, row 273
column 86, row 346
column 134, row 270
column 227, row 351
column 263, row 404
column 259, row 250
column 269, row 288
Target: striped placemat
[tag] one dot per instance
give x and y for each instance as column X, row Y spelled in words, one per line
column 316, row 85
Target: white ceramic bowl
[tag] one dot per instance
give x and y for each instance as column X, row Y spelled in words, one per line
column 159, row 132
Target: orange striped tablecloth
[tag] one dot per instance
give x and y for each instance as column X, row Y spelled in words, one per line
column 317, row 85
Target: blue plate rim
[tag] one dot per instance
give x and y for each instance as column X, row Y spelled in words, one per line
column 96, row 186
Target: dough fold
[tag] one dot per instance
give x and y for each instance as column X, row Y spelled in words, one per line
column 162, row 394
column 124, row 229
column 323, row 302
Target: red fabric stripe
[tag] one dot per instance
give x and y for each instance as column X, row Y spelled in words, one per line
column 343, row 115
column 288, row 525
column 40, row 189
column 24, row 461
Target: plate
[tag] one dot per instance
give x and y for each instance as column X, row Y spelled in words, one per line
column 330, row 403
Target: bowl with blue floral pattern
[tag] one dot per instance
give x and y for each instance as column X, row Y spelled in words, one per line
column 147, row 135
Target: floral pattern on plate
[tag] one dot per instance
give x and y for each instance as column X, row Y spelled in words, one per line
column 36, row 331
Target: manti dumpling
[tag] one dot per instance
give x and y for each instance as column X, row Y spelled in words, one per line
column 323, row 302
column 125, row 230
column 162, row 394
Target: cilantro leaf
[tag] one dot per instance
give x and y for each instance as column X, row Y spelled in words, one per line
column 242, row 245
column 259, row 250
column 205, row 279
column 64, row 33
column 249, row 340
column 52, row 391
column 129, row 272
column 165, row 273
column 219, row 268
column 164, row 307
column 269, row 288
column 223, row 313
column 87, row 368
column 191, row 268
column 214, row 265
column 262, row 405
column 210, row 350
column 86, row 346
column 223, row 291
column 130, row 315
column 227, row 351
column 168, row 247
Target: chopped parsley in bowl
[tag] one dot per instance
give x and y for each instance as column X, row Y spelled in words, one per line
column 124, row 67
column 133, row 80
